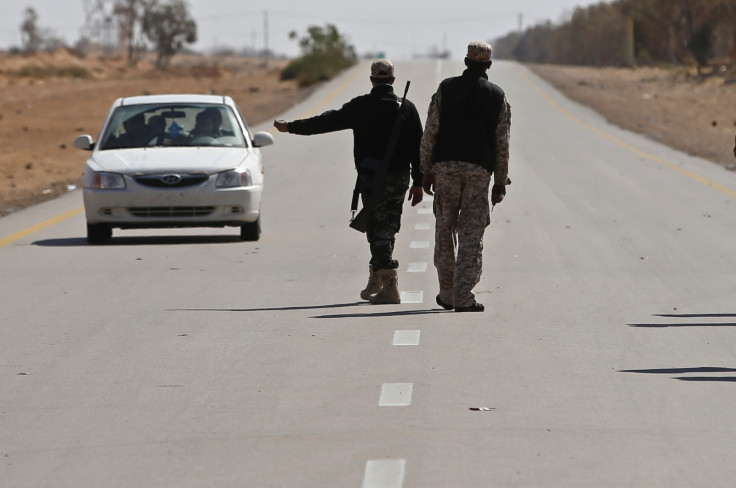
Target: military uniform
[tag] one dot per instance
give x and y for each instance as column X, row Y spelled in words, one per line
column 371, row 118
column 466, row 139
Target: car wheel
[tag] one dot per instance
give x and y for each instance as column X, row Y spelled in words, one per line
column 251, row 231
column 98, row 233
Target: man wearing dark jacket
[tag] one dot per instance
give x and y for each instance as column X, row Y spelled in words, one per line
column 371, row 118
column 466, row 140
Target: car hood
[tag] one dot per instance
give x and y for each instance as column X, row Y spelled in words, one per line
column 186, row 159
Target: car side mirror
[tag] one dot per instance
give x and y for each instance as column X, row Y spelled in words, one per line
column 261, row 139
column 84, row 142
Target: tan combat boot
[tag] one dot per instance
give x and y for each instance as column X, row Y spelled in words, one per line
column 373, row 286
column 390, row 288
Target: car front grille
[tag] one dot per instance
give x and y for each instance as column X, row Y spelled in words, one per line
column 162, row 212
column 171, row 180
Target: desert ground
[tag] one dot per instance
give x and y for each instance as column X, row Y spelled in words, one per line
column 42, row 111
column 42, row 108
column 693, row 113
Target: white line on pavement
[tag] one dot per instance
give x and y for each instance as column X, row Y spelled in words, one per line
column 412, row 297
column 395, row 395
column 416, row 268
column 406, row 337
column 384, row 473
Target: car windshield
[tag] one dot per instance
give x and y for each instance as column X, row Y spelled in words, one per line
column 172, row 125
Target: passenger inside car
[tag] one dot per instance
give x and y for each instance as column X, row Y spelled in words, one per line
column 156, row 126
column 208, row 123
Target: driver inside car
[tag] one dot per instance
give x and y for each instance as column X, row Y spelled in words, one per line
column 135, row 132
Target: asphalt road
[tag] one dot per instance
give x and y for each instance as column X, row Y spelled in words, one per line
column 186, row 358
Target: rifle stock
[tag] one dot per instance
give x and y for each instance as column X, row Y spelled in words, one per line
column 360, row 221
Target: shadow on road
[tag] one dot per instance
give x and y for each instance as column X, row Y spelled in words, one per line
column 268, row 309
column 377, row 313
column 704, row 369
column 691, row 324
column 140, row 240
column 696, row 315
column 701, row 324
column 705, row 372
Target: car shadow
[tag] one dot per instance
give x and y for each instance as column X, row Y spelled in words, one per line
column 140, row 241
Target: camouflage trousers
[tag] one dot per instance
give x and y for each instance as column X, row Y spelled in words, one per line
column 462, row 213
column 384, row 222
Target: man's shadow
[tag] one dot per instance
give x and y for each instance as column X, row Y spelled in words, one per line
column 377, row 313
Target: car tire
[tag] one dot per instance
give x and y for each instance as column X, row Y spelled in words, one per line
column 251, row 231
column 98, row 233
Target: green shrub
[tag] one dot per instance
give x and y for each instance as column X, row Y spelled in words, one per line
column 325, row 53
column 53, row 71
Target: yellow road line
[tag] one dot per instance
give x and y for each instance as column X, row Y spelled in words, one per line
column 42, row 225
column 618, row 142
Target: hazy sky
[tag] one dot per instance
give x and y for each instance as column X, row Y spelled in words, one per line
column 399, row 28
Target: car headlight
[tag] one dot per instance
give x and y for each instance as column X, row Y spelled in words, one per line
column 232, row 179
column 108, row 181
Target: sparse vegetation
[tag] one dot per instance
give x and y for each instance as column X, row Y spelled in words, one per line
column 698, row 33
column 324, row 53
column 42, row 72
column 168, row 27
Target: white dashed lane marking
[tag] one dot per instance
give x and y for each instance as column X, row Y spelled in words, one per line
column 384, row 473
column 412, row 297
column 389, row 473
column 419, row 245
column 406, row 337
column 395, row 395
column 416, row 268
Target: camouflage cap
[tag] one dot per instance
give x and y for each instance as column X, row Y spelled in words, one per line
column 479, row 51
column 382, row 68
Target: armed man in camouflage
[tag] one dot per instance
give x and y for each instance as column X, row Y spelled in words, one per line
column 371, row 118
column 466, row 139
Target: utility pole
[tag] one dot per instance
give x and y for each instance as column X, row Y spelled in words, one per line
column 629, row 42
column 265, row 34
column 521, row 21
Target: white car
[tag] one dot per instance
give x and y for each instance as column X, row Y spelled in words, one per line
column 173, row 161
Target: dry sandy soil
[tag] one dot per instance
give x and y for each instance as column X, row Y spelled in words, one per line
column 675, row 106
column 41, row 116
